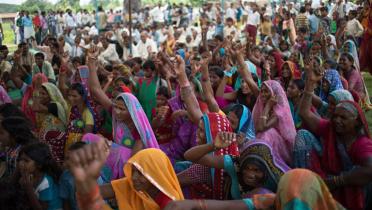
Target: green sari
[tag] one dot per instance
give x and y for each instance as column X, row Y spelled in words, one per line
column 146, row 94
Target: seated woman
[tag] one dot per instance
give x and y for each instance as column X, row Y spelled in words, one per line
column 288, row 73
column 273, row 120
column 307, row 192
column 241, row 121
column 256, row 171
column 150, row 181
column 294, row 93
column 51, row 119
column 345, row 158
column 330, row 82
column 326, row 109
column 131, row 127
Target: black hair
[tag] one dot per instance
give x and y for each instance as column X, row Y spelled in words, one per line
column 302, row 30
column 12, row 196
column 77, row 145
column 40, row 55
column 217, row 70
column 78, row 88
column 149, row 64
column 163, row 91
column 348, row 56
column 300, row 84
column 229, row 19
column 11, row 110
column 3, row 47
column 302, row 9
column 18, row 128
column 219, row 37
column 41, row 154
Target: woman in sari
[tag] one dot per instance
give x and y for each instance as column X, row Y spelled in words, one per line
column 256, row 171
column 326, row 109
column 131, row 127
column 366, row 44
column 115, row 161
column 241, row 121
column 150, row 181
column 32, row 91
column 288, row 72
column 273, row 120
column 294, row 93
column 297, row 189
column 343, row 156
column 50, row 108
column 331, row 81
column 199, row 178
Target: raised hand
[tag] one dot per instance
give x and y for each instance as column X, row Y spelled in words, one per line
column 179, row 65
column 85, row 164
column 224, row 139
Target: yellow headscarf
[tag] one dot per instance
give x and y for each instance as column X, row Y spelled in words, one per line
column 157, row 168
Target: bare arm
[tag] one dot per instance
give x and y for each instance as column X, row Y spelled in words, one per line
column 200, row 154
column 208, row 204
column 246, row 75
column 94, row 86
column 107, row 191
column 207, row 88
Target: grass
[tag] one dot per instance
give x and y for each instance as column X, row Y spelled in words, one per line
column 368, row 81
column 9, row 36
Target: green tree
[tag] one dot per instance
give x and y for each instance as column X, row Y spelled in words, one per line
column 35, row 5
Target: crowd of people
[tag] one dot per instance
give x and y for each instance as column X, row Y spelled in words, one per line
column 238, row 106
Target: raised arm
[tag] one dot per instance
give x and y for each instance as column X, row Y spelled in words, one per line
column 207, row 87
column 308, row 117
column 187, row 94
column 94, row 86
column 245, row 73
column 62, row 76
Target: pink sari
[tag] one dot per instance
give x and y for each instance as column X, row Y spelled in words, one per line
column 281, row 137
column 127, row 138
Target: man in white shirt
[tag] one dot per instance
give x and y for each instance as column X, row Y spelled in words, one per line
column 353, row 26
column 253, row 22
column 70, row 20
column 230, row 29
column 231, row 12
column 76, row 49
column 108, row 53
column 157, row 14
column 146, row 46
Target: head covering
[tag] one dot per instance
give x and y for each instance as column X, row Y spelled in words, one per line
column 334, row 80
column 27, row 97
column 252, row 68
column 122, row 133
column 113, row 168
column 262, row 153
column 352, row 51
column 246, row 124
column 157, row 168
column 333, row 39
column 341, row 95
column 296, row 74
column 304, row 189
column 123, row 69
column 282, row 136
column 213, row 124
column 354, row 108
column 57, row 98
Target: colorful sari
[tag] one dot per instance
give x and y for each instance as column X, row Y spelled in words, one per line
column 333, row 78
column 260, row 154
column 52, row 127
column 282, row 136
column 330, row 158
column 366, row 45
column 156, row 167
column 295, row 73
column 297, row 189
column 338, row 95
column 78, row 121
column 209, row 183
column 31, row 92
column 127, row 138
column 115, row 162
column 4, row 97
column 246, row 125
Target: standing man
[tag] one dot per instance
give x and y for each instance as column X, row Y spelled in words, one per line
column 21, row 27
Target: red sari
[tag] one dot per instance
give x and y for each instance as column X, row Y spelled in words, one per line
column 332, row 163
column 366, row 45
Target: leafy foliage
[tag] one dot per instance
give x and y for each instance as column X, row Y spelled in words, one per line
column 36, row 5
column 8, row 8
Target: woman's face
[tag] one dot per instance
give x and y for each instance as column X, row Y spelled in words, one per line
column 293, row 57
column 140, row 182
column 325, row 85
column 343, row 121
column 344, row 63
column 293, row 91
column 252, row 175
column 215, row 80
column 245, row 88
column 121, row 111
column 286, row 71
column 234, row 120
column 26, row 164
column 271, row 61
column 161, row 100
column 265, row 93
column 147, row 72
column 75, row 98
column 201, row 138
column 44, row 96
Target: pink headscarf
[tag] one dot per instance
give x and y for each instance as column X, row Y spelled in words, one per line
column 26, row 107
column 284, row 133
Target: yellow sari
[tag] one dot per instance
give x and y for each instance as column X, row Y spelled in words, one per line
column 157, row 168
